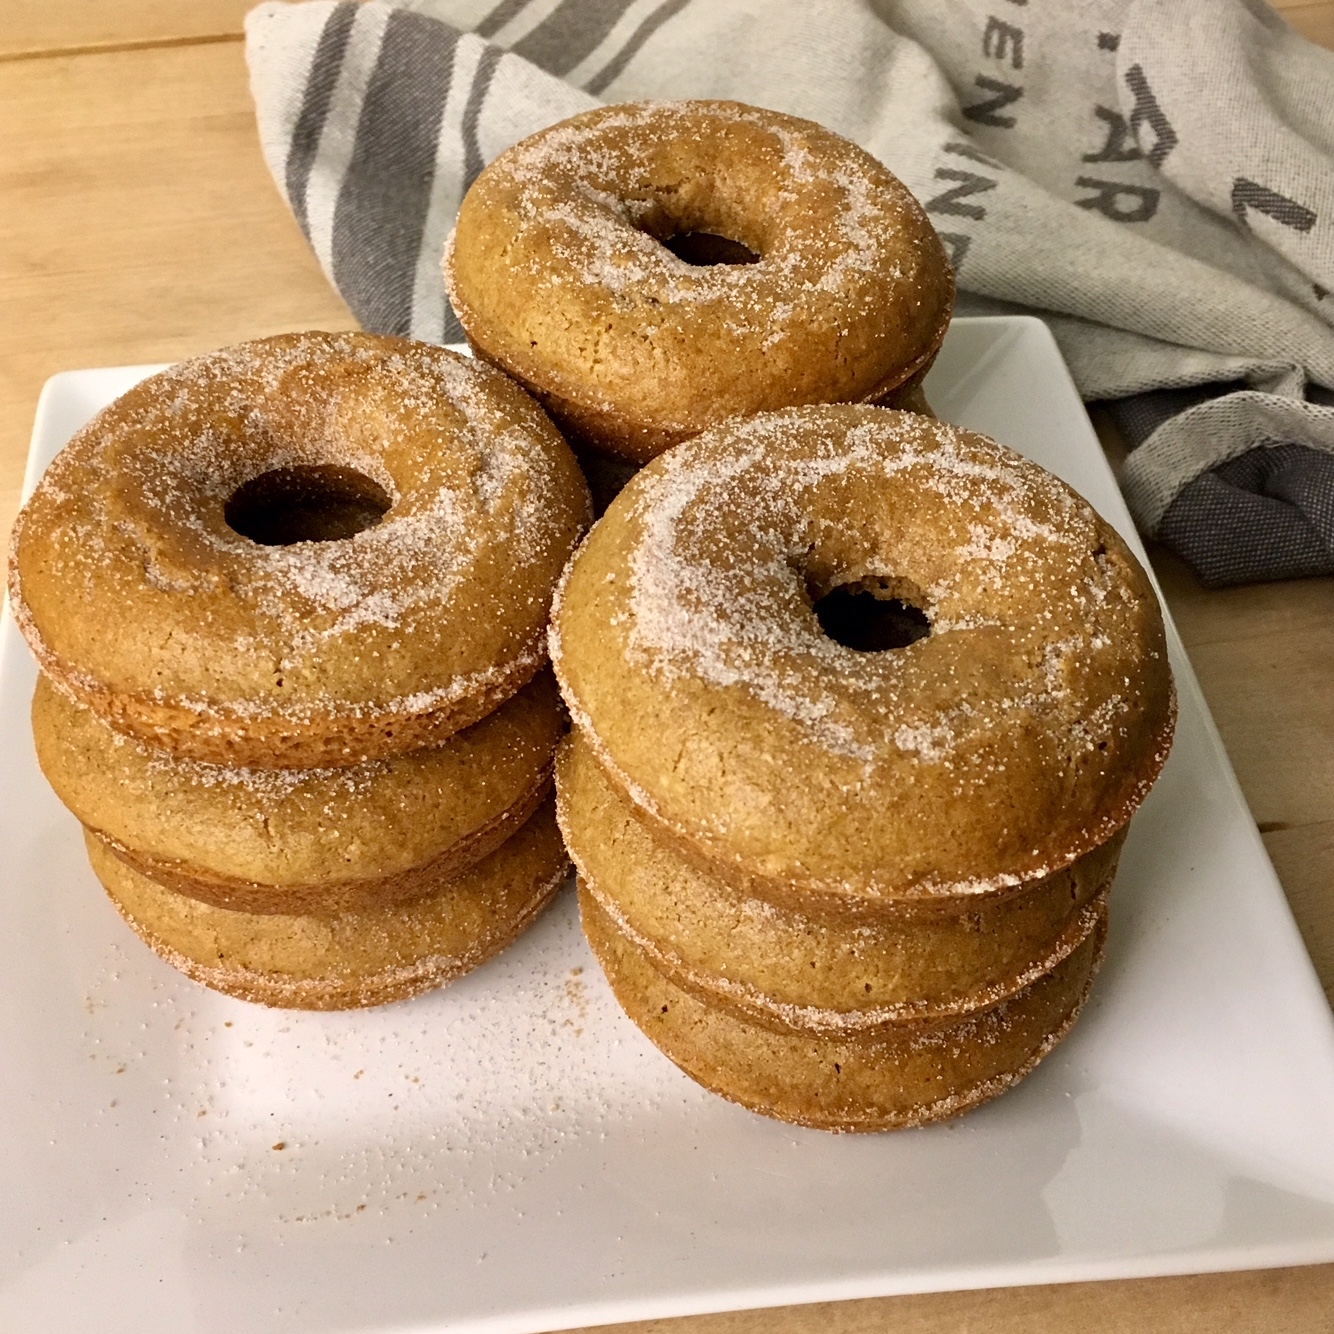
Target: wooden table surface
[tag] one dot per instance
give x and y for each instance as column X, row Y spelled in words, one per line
column 139, row 224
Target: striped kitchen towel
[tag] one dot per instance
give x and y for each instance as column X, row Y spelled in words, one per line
column 1155, row 178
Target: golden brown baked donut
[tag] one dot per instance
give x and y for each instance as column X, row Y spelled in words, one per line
column 304, row 551
column 580, row 266
column 367, row 957
column 906, row 1075
column 838, row 973
column 303, row 841
column 690, row 643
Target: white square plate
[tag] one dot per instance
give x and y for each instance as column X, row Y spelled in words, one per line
column 511, row 1155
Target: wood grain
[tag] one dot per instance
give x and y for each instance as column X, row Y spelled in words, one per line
column 140, row 224
column 1266, row 1301
column 1313, row 21
column 36, row 27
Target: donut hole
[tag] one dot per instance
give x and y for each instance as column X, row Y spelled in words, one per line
column 316, row 503
column 704, row 248
column 870, row 615
column 693, row 233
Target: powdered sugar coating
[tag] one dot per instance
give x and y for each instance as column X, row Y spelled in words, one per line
column 750, row 1002
column 128, row 579
column 882, row 1080
column 360, row 958
column 1023, row 731
column 630, row 346
column 694, row 614
column 811, row 970
column 302, row 840
column 605, row 237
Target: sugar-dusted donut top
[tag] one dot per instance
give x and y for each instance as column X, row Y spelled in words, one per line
column 558, row 269
column 1021, row 732
column 127, row 577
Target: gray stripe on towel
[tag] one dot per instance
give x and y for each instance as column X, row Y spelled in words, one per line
column 491, row 56
column 631, row 49
column 386, row 193
column 472, row 114
column 500, row 16
column 320, row 83
column 571, row 32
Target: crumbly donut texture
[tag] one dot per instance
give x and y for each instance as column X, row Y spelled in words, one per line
column 815, row 972
column 137, row 596
column 892, row 1079
column 1019, row 735
column 368, row 957
column 559, row 273
column 303, row 840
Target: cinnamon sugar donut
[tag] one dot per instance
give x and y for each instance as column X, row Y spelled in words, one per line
column 835, row 973
column 305, row 551
column 690, row 642
column 303, row 841
column 888, row 1079
column 648, row 270
column 366, row 957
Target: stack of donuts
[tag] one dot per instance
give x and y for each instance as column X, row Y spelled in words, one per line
column 863, row 704
column 289, row 604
